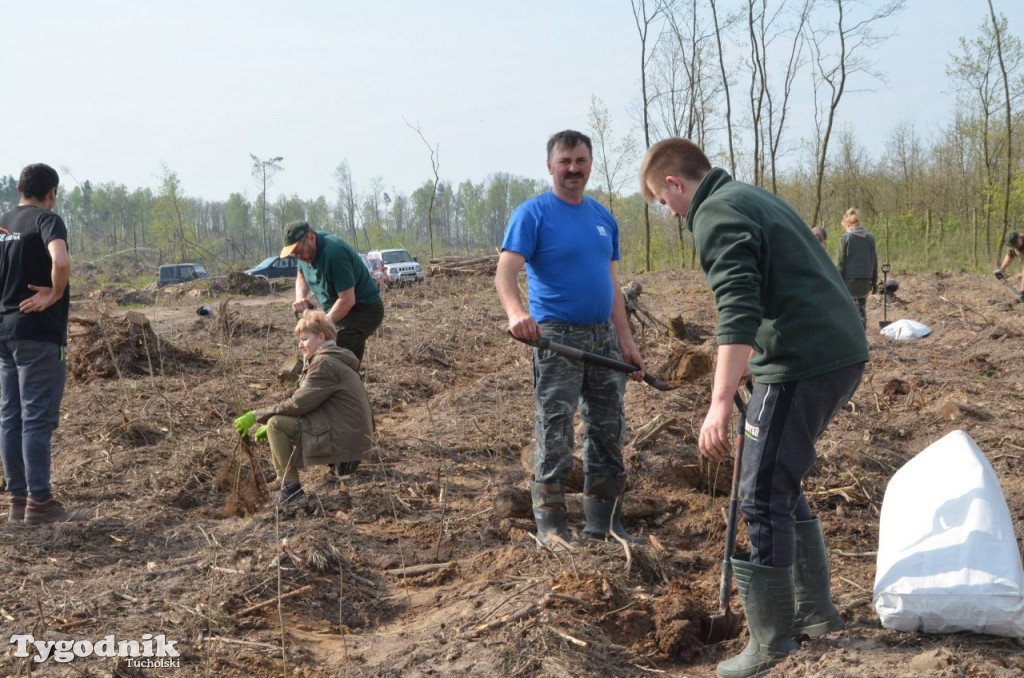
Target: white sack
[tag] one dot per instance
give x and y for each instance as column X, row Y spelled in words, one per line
column 948, row 559
column 905, row 330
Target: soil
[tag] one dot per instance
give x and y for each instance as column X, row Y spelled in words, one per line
column 404, row 568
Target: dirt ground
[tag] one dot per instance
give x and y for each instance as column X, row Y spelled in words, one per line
column 405, row 567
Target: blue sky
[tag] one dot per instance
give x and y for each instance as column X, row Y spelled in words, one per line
column 115, row 90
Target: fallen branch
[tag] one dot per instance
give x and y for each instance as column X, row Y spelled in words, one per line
column 855, row 554
column 521, row 613
column 284, row 596
column 414, row 570
column 566, row 636
column 247, row 643
column 650, row 432
column 78, row 622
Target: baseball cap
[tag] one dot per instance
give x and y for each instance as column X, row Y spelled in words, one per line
column 294, row 231
column 1011, row 239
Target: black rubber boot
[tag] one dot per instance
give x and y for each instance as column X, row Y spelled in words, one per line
column 812, row 584
column 345, row 468
column 602, row 508
column 549, row 512
column 291, row 493
column 767, row 594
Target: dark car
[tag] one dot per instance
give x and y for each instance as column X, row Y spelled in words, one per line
column 173, row 274
column 275, row 267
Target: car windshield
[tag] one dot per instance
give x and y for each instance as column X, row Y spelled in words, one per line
column 396, row 257
column 266, row 262
column 201, row 271
column 366, row 262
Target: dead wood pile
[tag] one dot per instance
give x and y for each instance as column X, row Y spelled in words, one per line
column 455, row 266
column 123, row 346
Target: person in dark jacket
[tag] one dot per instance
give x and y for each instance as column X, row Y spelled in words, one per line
column 785, row 317
column 327, row 419
column 858, row 263
column 1015, row 250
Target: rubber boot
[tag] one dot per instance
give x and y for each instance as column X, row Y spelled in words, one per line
column 602, row 508
column 812, row 584
column 16, row 509
column 767, row 595
column 345, row 468
column 291, row 492
column 549, row 512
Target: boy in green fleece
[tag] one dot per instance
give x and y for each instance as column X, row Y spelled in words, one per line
column 785, row 317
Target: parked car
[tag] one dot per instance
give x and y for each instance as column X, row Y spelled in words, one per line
column 376, row 271
column 375, row 268
column 275, row 267
column 173, row 274
column 398, row 265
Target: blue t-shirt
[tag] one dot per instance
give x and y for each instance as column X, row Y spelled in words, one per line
column 568, row 250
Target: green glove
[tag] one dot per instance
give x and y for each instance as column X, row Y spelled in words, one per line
column 261, row 434
column 245, row 422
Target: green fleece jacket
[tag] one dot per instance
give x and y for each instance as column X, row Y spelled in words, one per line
column 774, row 285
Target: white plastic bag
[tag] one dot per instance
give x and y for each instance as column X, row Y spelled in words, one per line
column 905, row 330
column 948, row 559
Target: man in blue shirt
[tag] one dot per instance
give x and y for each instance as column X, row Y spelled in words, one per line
column 569, row 244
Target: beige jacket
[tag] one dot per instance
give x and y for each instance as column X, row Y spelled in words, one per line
column 335, row 423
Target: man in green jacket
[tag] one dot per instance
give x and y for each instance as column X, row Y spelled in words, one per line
column 340, row 282
column 785, row 317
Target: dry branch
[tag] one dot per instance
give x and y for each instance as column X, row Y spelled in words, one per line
column 267, row 603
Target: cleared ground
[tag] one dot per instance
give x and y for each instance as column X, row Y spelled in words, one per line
column 404, row 569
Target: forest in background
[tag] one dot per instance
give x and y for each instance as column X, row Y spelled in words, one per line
column 936, row 199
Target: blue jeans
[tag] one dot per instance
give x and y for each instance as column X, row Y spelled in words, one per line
column 32, row 377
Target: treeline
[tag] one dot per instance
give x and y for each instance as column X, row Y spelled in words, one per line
column 723, row 74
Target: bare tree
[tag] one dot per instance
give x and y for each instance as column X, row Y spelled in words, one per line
column 769, row 106
column 1011, row 50
column 644, row 19
column 686, row 86
column 435, row 160
column 264, row 171
column 834, row 64
column 725, row 87
column 347, row 201
column 614, row 162
column 975, row 82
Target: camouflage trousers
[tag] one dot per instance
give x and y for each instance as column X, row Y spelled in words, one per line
column 561, row 385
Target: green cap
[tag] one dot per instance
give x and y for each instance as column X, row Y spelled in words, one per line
column 294, row 231
column 1011, row 239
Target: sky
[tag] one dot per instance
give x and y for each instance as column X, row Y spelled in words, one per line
column 122, row 91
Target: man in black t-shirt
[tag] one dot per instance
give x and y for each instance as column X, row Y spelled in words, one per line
column 34, row 302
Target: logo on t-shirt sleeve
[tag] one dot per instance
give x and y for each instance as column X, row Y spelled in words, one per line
column 602, row 231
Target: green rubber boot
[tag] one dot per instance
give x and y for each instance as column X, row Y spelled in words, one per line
column 767, row 595
column 602, row 508
column 812, row 584
column 550, row 514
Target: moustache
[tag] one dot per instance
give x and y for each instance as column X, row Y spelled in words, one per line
column 574, row 175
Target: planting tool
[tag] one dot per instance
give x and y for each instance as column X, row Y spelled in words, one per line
column 884, row 322
column 1002, row 278
column 726, row 624
column 594, row 358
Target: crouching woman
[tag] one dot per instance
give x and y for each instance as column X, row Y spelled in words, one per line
column 326, row 421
